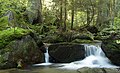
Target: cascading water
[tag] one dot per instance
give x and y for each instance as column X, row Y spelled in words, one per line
column 46, row 59
column 46, row 56
column 94, row 58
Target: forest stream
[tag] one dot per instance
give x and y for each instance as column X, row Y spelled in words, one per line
column 95, row 62
column 59, row 36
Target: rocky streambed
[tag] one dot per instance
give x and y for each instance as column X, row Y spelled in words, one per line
column 57, row 70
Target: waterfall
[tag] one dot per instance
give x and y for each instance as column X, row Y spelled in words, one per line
column 46, row 56
column 46, row 63
column 93, row 50
column 94, row 58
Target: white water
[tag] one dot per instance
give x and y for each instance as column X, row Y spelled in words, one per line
column 46, row 56
column 95, row 58
column 46, row 59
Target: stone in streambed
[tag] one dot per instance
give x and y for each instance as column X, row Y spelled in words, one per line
column 63, row 53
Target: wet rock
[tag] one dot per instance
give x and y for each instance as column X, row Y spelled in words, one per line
column 66, row 52
column 24, row 49
column 98, row 70
column 112, row 51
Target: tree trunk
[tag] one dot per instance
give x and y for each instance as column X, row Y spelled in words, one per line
column 65, row 9
column 72, row 18
column 88, row 17
column 34, row 11
column 61, row 12
column 102, row 16
column 90, row 13
column 113, row 12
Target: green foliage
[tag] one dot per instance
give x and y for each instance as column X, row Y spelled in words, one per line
column 3, row 22
column 116, row 23
column 118, row 41
column 111, row 44
column 49, row 16
column 17, row 7
column 82, row 41
column 1, row 58
column 10, row 34
column 51, row 34
column 80, row 19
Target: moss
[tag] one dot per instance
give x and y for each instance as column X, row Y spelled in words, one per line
column 81, row 41
column 3, row 22
column 112, row 45
column 9, row 35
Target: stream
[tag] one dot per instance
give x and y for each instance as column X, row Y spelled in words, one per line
column 94, row 62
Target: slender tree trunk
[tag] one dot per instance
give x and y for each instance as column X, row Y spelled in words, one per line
column 113, row 12
column 93, row 12
column 65, row 9
column 100, row 17
column 40, row 12
column 88, row 17
column 61, row 12
column 90, row 13
column 72, row 13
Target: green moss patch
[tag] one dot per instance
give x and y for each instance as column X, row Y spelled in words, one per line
column 3, row 22
column 11, row 34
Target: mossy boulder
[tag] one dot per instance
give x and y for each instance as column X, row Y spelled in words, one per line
column 112, row 51
column 24, row 49
column 108, row 34
column 70, row 35
column 6, row 36
column 66, row 36
column 82, row 41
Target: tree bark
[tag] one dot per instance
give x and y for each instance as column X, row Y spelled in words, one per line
column 65, row 15
column 34, row 11
column 72, row 13
column 61, row 12
column 90, row 13
column 88, row 16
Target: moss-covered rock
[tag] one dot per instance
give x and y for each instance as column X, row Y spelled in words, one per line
column 67, row 36
column 6, row 36
column 108, row 34
column 24, row 50
column 112, row 50
column 82, row 41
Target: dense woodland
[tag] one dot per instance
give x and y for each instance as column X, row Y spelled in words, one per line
column 59, row 21
column 62, row 16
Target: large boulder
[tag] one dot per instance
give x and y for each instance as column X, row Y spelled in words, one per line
column 112, row 51
column 63, row 53
column 24, row 50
